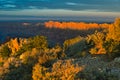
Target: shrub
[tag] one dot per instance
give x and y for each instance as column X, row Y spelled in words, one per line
column 75, row 47
column 39, row 42
column 63, row 70
column 39, row 72
column 5, row 51
column 112, row 43
column 48, row 57
column 113, row 48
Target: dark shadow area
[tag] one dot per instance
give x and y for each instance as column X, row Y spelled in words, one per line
column 17, row 29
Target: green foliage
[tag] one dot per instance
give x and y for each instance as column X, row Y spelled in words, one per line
column 71, row 42
column 22, row 72
column 1, row 63
column 48, row 56
column 75, row 47
column 20, row 51
column 39, row 42
column 113, row 48
column 25, row 47
column 5, row 51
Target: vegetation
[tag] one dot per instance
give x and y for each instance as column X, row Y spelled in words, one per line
column 5, row 51
column 92, row 57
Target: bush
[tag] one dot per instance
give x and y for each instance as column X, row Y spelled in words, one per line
column 5, row 51
column 75, row 47
column 49, row 56
column 39, row 72
column 39, row 42
column 61, row 70
column 112, row 43
column 97, row 39
column 112, row 48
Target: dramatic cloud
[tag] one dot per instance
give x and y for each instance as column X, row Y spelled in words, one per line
column 104, row 5
column 71, row 6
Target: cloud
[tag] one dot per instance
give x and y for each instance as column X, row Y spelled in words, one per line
column 9, row 6
column 32, row 7
column 75, row 5
column 56, row 12
column 71, row 3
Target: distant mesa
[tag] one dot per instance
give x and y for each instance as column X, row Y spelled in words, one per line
column 39, row 24
column 75, row 25
column 26, row 24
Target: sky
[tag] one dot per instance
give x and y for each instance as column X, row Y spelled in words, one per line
column 13, row 8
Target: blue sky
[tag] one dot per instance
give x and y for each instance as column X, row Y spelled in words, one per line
column 60, row 8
